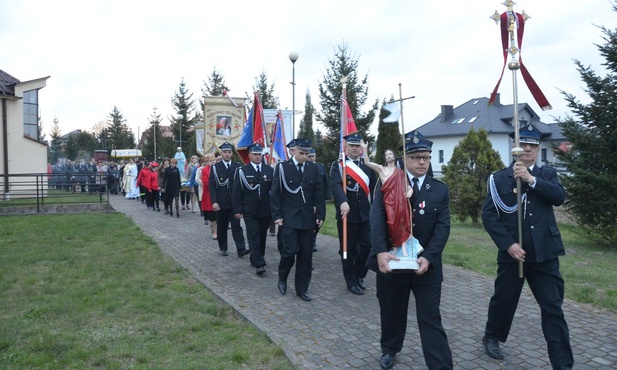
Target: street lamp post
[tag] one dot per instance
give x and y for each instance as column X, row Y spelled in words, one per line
column 293, row 56
column 154, row 134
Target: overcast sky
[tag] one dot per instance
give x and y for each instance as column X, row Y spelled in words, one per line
column 133, row 54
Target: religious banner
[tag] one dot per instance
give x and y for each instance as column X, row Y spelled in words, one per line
column 270, row 116
column 223, row 121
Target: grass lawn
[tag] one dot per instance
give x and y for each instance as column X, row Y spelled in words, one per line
column 587, row 270
column 91, row 291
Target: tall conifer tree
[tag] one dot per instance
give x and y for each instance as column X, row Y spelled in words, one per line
column 591, row 158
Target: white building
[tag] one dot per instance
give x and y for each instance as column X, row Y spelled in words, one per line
column 452, row 124
column 20, row 149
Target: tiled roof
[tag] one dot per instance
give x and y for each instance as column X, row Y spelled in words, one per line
column 476, row 113
column 7, row 83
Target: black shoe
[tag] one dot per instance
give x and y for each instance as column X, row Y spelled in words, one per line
column 177, row 215
column 491, row 347
column 361, row 284
column 261, row 271
column 243, row 253
column 386, row 361
column 305, row 297
column 224, row 253
column 158, row 210
column 166, row 212
column 566, row 367
column 356, row 290
column 171, row 214
column 282, row 286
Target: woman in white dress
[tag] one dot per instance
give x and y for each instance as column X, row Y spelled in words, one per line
column 129, row 180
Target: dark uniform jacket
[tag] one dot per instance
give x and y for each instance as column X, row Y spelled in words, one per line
column 541, row 237
column 296, row 210
column 359, row 202
column 431, row 226
column 222, row 194
column 253, row 203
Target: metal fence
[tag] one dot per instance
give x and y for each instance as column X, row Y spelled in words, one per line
column 52, row 193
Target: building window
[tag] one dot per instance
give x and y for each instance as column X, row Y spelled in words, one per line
column 543, row 156
column 31, row 114
column 441, row 156
column 473, row 119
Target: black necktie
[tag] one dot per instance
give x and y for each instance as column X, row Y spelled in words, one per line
column 227, row 165
column 300, row 167
column 258, row 170
column 416, row 190
column 357, row 163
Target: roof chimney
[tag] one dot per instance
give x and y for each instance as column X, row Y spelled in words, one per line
column 446, row 112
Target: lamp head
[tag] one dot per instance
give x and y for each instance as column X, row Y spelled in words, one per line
column 293, row 56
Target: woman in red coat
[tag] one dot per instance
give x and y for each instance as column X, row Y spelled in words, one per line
column 153, row 187
column 201, row 177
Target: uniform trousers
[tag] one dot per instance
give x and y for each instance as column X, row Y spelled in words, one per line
column 296, row 247
column 394, row 303
column 358, row 250
column 223, row 218
column 547, row 287
column 256, row 233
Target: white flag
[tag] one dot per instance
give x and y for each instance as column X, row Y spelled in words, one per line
column 395, row 112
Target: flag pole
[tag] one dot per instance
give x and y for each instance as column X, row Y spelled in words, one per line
column 517, row 151
column 400, row 101
column 342, row 157
column 272, row 138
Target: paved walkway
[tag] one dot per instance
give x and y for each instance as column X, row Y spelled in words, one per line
column 338, row 330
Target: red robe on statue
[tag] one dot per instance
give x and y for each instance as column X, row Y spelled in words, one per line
column 397, row 207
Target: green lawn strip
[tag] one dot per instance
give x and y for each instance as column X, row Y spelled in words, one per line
column 587, row 270
column 91, row 291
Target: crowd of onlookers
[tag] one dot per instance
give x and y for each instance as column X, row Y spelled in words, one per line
column 85, row 177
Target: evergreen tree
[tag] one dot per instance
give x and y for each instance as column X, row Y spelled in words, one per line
column 154, row 132
column 184, row 119
column 266, row 93
column 388, row 136
column 215, row 85
column 591, row 160
column 85, row 144
column 466, row 174
column 120, row 136
column 55, row 149
column 306, row 125
column 343, row 64
column 70, row 147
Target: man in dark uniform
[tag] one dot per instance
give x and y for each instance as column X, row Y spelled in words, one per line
column 291, row 149
column 540, row 192
column 251, row 201
column 431, row 227
column 220, row 185
column 298, row 206
column 312, row 157
column 92, row 172
column 353, row 203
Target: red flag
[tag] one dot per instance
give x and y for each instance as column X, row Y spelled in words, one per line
column 351, row 124
column 259, row 132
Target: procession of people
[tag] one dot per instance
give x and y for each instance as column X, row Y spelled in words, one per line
column 378, row 209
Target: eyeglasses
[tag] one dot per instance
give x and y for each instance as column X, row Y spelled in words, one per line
column 417, row 158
